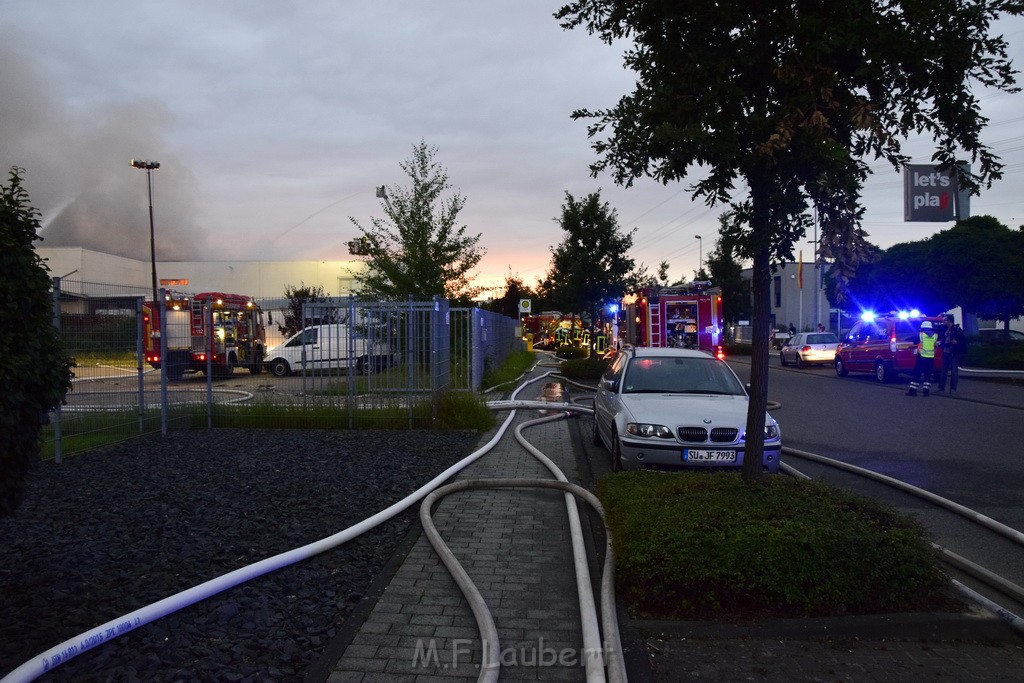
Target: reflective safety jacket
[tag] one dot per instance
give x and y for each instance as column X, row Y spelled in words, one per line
column 926, row 347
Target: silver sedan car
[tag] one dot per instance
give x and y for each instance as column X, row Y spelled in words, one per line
column 676, row 408
column 809, row 348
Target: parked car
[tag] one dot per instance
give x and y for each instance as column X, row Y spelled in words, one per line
column 321, row 348
column 884, row 345
column 809, row 348
column 670, row 408
column 994, row 336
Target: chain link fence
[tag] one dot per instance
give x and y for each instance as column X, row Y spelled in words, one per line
column 208, row 360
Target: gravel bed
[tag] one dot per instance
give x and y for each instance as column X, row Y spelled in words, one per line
column 110, row 531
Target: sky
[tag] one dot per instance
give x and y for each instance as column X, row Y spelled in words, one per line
column 274, row 122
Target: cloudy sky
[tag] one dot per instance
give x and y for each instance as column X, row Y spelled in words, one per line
column 273, row 123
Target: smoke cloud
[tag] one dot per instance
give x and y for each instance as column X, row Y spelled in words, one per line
column 76, row 166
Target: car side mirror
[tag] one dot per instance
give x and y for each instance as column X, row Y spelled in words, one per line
column 611, row 385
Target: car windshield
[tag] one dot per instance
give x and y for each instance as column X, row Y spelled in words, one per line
column 822, row 338
column 680, row 375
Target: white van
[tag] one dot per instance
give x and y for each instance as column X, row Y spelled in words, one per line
column 321, row 348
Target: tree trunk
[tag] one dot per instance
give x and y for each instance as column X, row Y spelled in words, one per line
column 761, row 321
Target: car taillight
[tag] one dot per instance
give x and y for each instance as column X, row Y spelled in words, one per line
column 806, row 349
column 892, row 343
column 720, row 352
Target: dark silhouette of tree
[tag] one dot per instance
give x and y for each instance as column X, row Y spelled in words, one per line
column 515, row 291
column 589, row 268
column 726, row 271
column 34, row 367
column 977, row 265
column 293, row 317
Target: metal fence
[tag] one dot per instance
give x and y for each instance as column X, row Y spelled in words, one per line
column 345, row 362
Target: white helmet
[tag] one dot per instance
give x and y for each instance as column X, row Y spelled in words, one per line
column 926, row 325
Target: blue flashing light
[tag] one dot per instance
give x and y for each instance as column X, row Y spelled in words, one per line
column 867, row 316
column 613, row 308
column 914, row 313
column 903, row 315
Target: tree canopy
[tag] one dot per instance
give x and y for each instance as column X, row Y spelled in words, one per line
column 419, row 249
column 590, row 265
column 777, row 104
column 978, row 264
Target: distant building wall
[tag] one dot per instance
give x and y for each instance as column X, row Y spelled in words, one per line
column 788, row 303
column 255, row 278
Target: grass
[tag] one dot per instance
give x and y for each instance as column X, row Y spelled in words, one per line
column 515, row 365
column 85, row 431
column 706, row 545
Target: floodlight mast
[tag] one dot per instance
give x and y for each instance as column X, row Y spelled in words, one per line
column 149, row 167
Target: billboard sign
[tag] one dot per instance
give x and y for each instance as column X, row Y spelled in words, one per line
column 929, row 195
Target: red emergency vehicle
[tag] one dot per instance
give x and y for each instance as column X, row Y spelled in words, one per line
column 685, row 317
column 227, row 329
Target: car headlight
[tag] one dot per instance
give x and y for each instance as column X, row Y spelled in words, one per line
column 649, row 430
column 771, row 431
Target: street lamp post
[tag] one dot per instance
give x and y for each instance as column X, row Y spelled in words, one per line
column 149, row 167
column 700, row 254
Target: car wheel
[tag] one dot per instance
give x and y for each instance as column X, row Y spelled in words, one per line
column 280, row 368
column 841, row 370
column 616, row 453
column 782, row 359
column 595, row 436
column 882, row 373
column 800, row 361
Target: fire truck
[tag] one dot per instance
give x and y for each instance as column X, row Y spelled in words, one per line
column 221, row 330
column 685, row 317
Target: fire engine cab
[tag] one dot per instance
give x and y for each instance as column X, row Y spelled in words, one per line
column 686, row 317
column 212, row 329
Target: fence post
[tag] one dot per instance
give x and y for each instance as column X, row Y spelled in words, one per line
column 208, row 343
column 476, row 349
column 140, row 353
column 350, row 371
column 165, row 327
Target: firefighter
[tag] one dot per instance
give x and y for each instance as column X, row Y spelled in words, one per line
column 924, row 362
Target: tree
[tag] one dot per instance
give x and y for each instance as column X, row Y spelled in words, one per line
column 590, row 266
column 35, row 370
column 976, row 264
column 508, row 303
column 979, row 263
column 783, row 100
column 726, row 271
column 294, row 320
column 419, row 249
column 900, row 278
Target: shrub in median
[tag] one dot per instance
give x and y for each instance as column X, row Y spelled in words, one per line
column 704, row 545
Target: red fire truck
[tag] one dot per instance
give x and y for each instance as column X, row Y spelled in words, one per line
column 237, row 337
column 687, row 317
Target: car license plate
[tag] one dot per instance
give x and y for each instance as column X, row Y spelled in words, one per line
column 708, row 455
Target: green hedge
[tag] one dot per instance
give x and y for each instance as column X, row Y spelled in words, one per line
column 995, row 356
column 702, row 545
column 567, row 351
column 584, row 368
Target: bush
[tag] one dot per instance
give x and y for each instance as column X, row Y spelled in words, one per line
column 35, row 368
column 994, row 356
column 567, row 351
column 700, row 544
column 584, row 368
